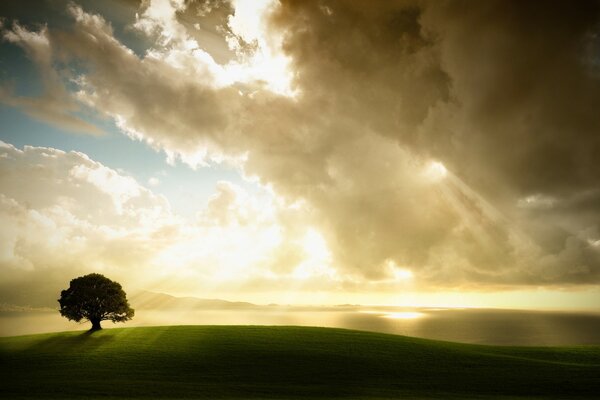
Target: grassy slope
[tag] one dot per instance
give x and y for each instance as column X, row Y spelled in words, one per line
column 283, row 362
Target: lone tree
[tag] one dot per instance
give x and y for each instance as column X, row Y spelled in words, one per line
column 95, row 298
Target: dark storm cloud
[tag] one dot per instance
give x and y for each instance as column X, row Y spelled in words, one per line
column 504, row 93
column 525, row 91
column 506, row 86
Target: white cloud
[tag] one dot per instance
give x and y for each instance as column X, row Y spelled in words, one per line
column 159, row 17
column 63, row 214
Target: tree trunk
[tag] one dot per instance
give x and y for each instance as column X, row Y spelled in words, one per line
column 95, row 325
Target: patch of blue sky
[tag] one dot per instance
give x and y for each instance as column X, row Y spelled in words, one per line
column 55, row 15
column 17, row 72
column 185, row 188
column 20, row 74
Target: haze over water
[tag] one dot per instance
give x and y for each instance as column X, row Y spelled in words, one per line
column 482, row 326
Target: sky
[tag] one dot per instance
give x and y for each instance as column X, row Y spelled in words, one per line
column 418, row 153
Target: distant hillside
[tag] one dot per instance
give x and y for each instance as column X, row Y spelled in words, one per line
column 157, row 301
column 148, row 300
column 5, row 307
column 184, row 362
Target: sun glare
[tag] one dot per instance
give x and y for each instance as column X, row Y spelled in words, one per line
column 317, row 257
column 403, row 315
column 314, row 245
column 267, row 64
column 435, row 171
column 402, row 274
column 398, row 273
column 395, row 314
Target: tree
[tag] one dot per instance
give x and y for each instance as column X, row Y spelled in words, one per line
column 95, row 298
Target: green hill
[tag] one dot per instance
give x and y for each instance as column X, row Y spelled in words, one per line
column 284, row 362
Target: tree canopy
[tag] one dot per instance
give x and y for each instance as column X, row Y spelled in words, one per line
column 95, row 298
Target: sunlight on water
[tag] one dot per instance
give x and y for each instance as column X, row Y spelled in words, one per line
column 403, row 315
column 395, row 314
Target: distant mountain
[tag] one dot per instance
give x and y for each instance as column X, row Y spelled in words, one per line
column 160, row 301
column 5, row 307
column 148, row 300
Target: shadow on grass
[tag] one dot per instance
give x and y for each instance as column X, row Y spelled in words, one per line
column 71, row 342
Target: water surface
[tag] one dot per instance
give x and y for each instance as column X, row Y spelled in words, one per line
column 483, row 326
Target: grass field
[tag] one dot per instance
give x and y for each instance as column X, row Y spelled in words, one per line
column 284, row 362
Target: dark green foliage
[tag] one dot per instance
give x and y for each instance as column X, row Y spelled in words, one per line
column 95, row 298
column 242, row 362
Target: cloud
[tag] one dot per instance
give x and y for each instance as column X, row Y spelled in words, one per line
column 63, row 215
column 58, row 220
column 56, row 105
column 524, row 91
column 496, row 96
